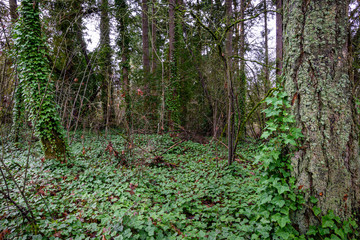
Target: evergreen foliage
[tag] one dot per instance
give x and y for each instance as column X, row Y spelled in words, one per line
column 35, row 81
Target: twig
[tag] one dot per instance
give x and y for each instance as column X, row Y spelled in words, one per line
column 172, row 147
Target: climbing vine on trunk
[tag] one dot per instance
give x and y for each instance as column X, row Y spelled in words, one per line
column 34, row 76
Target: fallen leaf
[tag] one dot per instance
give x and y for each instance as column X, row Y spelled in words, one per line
column 57, row 234
column 4, row 233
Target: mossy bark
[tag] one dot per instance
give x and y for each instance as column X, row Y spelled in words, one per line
column 54, row 148
column 105, row 62
column 317, row 81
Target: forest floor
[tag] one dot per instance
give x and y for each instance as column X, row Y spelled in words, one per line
column 166, row 188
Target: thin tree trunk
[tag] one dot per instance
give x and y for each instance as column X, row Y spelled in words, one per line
column 316, row 77
column 171, row 95
column 13, row 10
column 105, row 62
column 125, row 80
column 172, row 4
column 242, row 86
column 236, row 45
column 125, row 63
column 18, row 99
column 266, row 67
column 228, row 67
column 145, row 37
column 279, row 36
column 153, row 36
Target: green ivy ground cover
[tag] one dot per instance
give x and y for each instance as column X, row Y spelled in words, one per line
column 195, row 196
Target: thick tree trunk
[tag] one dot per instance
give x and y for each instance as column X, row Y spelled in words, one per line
column 37, row 88
column 279, row 38
column 316, row 71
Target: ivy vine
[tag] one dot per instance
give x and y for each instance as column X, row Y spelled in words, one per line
column 278, row 195
column 36, row 87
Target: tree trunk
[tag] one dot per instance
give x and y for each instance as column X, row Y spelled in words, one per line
column 145, row 38
column 229, row 82
column 279, row 36
column 242, row 95
column 18, row 99
column 172, row 4
column 13, row 10
column 266, row 68
column 153, row 36
column 172, row 95
column 37, row 87
column 124, row 42
column 105, row 62
column 316, row 79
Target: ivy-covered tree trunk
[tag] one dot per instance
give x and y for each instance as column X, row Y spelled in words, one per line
column 172, row 93
column 242, row 75
column 105, row 62
column 37, row 87
column 123, row 42
column 327, row 165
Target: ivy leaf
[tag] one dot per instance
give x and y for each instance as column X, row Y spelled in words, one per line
column 324, row 231
column 265, row 135
column 327, row 222
column 316, row 210
column 281, row 219
column 312, row 231
column 313, row 199
column 281, row 187
column 334, row 237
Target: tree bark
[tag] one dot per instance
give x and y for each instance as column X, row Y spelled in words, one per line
column 317, row 80
column 279, row 38
column 266, row 67
column 229, row 82
column 13, row 10
column 172, row 4
column 242, row 95
column 145, row 37
column 172, row 98
column 105, row 62
column 153, row 36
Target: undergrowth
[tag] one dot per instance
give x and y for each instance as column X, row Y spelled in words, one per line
column 94, row 196
column 162, row 187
